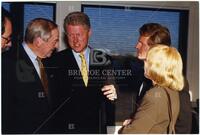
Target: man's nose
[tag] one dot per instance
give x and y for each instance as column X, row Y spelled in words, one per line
column 75, row 40
column 137, row 46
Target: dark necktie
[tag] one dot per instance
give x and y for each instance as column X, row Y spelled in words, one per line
column 147, row 84
column 43, row 75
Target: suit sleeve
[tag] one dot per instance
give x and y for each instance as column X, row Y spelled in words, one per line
column 110, row 105
column 146, row 115
column 7, row 92
column 184, row 121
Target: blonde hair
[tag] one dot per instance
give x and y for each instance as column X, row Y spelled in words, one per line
column 164, row 66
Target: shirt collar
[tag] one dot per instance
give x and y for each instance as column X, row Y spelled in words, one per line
column 29, row 52
column 86, row 53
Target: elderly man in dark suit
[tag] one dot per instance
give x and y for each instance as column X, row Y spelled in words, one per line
column 25, row 102
column 82, row 81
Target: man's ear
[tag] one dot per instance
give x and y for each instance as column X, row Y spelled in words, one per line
column 90, row 32
column 37, row 42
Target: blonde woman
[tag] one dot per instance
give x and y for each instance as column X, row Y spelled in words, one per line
column 160, row 106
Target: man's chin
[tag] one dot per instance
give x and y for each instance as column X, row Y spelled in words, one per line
column 49, row 55
column 141, row 57
column 78, row 50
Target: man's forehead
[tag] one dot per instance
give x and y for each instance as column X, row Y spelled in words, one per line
column 85, row 27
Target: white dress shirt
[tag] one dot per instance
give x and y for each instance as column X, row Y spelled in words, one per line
column 78, row 58
column 32, row 56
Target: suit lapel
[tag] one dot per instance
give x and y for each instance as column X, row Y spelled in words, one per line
column 147, row 84
column 96, row 76
column 92, row 68
column 74, row 66
column 26, row 66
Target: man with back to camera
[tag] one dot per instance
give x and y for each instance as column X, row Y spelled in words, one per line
column 25, row 91
column 81, row 97
column 154, row 33
column 6, row 30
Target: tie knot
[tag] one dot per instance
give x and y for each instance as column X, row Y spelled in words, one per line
column 39, row 59
column 82, row 54
column 43, row 75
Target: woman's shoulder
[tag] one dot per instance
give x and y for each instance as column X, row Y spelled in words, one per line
column 156, row 97
column 156, row 89
column 156, row 93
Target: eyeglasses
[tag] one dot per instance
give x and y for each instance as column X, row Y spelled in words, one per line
column 8, row 39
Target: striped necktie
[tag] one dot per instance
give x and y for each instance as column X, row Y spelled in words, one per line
column 43, row 75
column 84, row 70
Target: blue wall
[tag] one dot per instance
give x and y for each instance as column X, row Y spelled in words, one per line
column 116, row 29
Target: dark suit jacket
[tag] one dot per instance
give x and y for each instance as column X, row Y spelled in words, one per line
column 24, row 105
column 78, row 109
column 184, row 121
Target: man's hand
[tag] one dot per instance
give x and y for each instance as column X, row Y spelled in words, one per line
column 127, row 122
column 110, row 92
